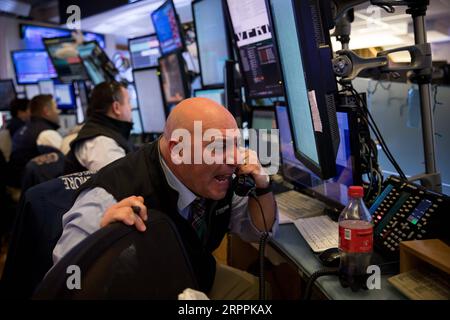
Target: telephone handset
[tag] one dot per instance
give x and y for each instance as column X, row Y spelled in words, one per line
column 243, row 185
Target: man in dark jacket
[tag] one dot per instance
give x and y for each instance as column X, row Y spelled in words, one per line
column 37, row 137
column 104, row 137
column 176, row 176
column 20, row 114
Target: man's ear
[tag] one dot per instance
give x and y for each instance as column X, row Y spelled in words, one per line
column 115, row 109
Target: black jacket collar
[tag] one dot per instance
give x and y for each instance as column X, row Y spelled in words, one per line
column 123, row 127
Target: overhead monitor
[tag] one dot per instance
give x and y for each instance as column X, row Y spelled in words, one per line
column 167, row 28
column 7, row 93
column 96, row 62
column 65, row 96
column 32, row 65
column 65, row 58
column 33, row 35
column 214, row 94
column 144, row 51
column 173, row 78
column 212, row 40
column 333, row 190
column 46, row 87
column 257, row 56
column 303, row 47
column 151, row 103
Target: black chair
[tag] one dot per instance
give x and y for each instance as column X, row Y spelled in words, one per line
column 37, row 229
column 119, row 262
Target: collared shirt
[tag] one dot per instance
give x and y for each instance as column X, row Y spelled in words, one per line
column 85, row 215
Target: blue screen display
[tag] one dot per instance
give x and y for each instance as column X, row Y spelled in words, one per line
column 296, row 172
column 64, row 96
column 32, row 66
column 33, row 35
column 166, row 26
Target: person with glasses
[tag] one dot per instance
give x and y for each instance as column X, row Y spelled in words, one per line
column 104, row 137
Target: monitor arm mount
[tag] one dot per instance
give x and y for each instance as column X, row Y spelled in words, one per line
column 348, row 65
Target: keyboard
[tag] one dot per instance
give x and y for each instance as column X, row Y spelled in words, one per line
column 293, row 205
column 321, row 233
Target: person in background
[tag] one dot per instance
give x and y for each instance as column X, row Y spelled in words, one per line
column 38, row 136
column 20, row 114
column 104, row 137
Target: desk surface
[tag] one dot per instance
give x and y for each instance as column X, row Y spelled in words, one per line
column 294, row 246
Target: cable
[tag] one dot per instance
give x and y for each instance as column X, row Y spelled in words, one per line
column 313, row 278
column 262, row 246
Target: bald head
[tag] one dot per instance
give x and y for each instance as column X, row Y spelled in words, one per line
column 211, row 114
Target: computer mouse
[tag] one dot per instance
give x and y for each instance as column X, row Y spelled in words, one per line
column 330, row 257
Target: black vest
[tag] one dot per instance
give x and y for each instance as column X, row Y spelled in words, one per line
column 25, row 147
column 140, row 174
column 98, row 125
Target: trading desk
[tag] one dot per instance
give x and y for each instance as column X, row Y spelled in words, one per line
column 290, row 243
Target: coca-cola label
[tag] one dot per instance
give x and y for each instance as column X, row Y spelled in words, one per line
column 356, row 240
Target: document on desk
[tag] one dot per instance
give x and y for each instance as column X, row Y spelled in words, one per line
column 321, row 233
column 293, row 205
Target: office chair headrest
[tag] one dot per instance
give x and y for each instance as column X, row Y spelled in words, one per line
column 119, row 262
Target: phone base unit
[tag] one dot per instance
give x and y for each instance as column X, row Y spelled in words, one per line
column 405, row 211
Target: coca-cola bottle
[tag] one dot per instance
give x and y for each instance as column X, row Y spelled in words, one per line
column 355, row 241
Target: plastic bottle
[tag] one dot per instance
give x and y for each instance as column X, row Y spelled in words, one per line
column 355, row 241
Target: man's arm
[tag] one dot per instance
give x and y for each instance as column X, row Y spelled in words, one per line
column 98, row 152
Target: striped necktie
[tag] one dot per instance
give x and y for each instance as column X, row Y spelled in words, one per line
column 198, row 222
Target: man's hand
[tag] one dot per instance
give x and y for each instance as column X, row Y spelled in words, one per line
column 123, row 212
column 252, row 167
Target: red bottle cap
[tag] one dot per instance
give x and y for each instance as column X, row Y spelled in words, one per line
column 356, row 191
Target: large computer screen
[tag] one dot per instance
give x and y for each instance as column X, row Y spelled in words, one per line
column 173, row 78
column 65, row 58
column 7, row 93
column 32, row 65
column 167, row 28
column 96, row 62
column 64, row 96
column 212, row 41
column 214, row 94
column 309, row 82
column 294, row 171
column 151, row 103
column 253, row 37
column 144, row 51
column 33, row 35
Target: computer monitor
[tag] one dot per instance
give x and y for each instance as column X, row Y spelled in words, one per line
column 212, row 40
column 65, row 58
column 214, row 94
column 167, row 28
column 304, row 51
column 33, row 35
column 46, row 87
column 97, row 63
column 334, row 190
column 32, row 65
column 173, row 79
column 144, row 51
column 7, row 94
column 151, row 103
column 32, row 90
column 65, row 96
column 264, row 119
column 253, row 39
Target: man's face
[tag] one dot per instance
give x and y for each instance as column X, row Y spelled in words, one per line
column 212, row 180
column 125, row 106
column 52, row 112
